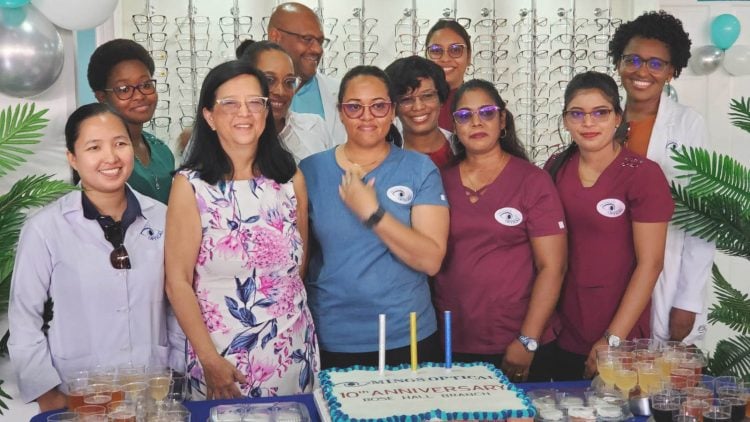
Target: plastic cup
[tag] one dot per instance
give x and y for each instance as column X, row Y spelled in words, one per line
column 664, row 407
column 63, row 417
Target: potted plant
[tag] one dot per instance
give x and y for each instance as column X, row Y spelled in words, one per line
column 20, row 127
column 715, row 206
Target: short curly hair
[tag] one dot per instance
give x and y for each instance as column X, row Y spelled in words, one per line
column 406, row 72
column 654, row 25
column 112, row 53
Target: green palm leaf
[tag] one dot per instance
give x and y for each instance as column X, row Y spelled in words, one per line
column 20, row 126
column 713, row 174
column 740, row 115
column 33, row 191
column 732, row 357
column 714, row 218
column 732, row 307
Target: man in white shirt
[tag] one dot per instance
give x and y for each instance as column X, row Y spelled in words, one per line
column 297, row 29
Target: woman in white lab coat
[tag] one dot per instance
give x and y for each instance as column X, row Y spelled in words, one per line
column 648, row 52
column 98, row 254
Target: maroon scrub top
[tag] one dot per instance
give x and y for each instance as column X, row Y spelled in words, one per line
column 445, row 118
column 488, row 272
column 601, row 254
column 442, row 156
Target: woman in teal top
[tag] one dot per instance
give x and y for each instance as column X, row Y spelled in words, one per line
column 120, row 74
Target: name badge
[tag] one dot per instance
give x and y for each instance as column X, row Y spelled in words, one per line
column 508, row 216
column 610, row 207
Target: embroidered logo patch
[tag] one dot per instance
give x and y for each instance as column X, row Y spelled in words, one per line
column 400, row 194
column 152, row 234
column 561, row 224
column 508, row 216
column 610, row 207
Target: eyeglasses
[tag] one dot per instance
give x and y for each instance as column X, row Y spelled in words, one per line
column 144, row 23
column 436, row 51
column 233, row 105
column 485, row 113
column 356, row 110
column 633, row 62
column 578, row 116
column 119, row 257
column 193, row 42
column 229, row 38
column 487, row 40
column 567, row 54
column 359, row 25
column 199, row 24
column 598, row 55
column 242, row 23
column 490, row 54
column 187, row 121
column 289, row 83
column 407, row 102
column 354, row 58
column 126, row 92
column 308, row 39
column 490, row 24
column 203, row 57
column 356, row 43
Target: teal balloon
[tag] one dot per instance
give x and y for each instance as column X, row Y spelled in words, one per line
column 12, row 4
column 725, row 30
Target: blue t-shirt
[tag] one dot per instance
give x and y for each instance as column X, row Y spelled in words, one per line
column 308, row 99
column 353, row 275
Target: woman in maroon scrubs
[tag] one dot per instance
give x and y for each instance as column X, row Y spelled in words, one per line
column 506, row 248
column 617, row 205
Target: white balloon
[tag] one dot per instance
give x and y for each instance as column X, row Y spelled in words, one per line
column 76, row 14
column 705, row 59
column 31, row 52
column 737, row 60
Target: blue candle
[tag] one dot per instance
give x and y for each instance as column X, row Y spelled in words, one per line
column 448, row 351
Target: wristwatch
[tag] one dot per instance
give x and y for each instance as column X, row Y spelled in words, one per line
column 374, row 218
column 612, row 340
column 529, row 343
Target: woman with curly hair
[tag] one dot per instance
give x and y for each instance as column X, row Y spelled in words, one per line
column 649, row 52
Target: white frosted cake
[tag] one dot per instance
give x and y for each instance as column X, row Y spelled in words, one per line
column 476, row 391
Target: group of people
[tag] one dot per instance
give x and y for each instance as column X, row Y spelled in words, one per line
column 301, row 211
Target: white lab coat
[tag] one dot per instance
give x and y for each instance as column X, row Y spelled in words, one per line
column 687, row 261
column 329, row 91
column 305, row 134
column 101, row 315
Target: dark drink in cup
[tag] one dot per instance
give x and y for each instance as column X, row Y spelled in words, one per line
column 663, row 412
column 716, row 416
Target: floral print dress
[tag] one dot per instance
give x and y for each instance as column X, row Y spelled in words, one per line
column 249, row 289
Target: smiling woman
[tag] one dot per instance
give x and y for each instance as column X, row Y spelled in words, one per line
column 605, row 188
column 303, row 134
column 97, row 254
column 236, row 240
column 120, row 73
column 648, row 52
column 380, row 217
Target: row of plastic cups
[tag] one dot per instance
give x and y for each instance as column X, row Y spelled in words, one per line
column 124, row 411
column 157, row 386
column 666, row 406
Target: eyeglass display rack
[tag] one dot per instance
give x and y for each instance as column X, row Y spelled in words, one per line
column 528, row 48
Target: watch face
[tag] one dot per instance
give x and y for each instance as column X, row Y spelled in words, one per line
column 613, row 341
column 532, row 346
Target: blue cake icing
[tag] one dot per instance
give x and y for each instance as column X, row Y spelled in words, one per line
column 337, row 415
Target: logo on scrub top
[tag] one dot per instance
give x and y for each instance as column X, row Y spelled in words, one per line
column 151, row 233
column 400, row 194
column 508, row 216
column 610, row 207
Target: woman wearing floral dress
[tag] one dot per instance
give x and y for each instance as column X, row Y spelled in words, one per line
column 236, row 236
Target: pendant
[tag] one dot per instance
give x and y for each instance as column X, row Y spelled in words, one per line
column 156, row 183
column 473, row 197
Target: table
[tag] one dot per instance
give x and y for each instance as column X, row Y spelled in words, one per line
column 200, row 409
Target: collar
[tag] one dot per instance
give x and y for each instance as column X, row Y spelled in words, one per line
column 132, row 210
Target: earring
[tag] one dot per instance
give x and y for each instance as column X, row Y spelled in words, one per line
column 503, row 133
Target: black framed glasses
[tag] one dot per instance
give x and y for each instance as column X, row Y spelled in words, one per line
column 356, row 110
column 436, row 51
column 126, row 92
column 115, row 235
column 407, row 102
column 308, row 39
column 233, row 105
column 578, row 116
column 653, row 64
column 486, row 113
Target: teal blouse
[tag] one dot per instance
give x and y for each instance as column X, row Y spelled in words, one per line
column 154, row 180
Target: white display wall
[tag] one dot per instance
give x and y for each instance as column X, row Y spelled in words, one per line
column 528, row 48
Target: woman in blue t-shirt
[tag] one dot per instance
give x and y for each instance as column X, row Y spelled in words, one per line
column 380, row 218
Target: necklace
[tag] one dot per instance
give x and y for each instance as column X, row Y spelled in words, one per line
column 151, row 161
column 475, row 191
column 371, row 163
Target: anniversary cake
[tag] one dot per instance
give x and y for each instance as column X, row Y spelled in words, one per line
column 474, row 391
